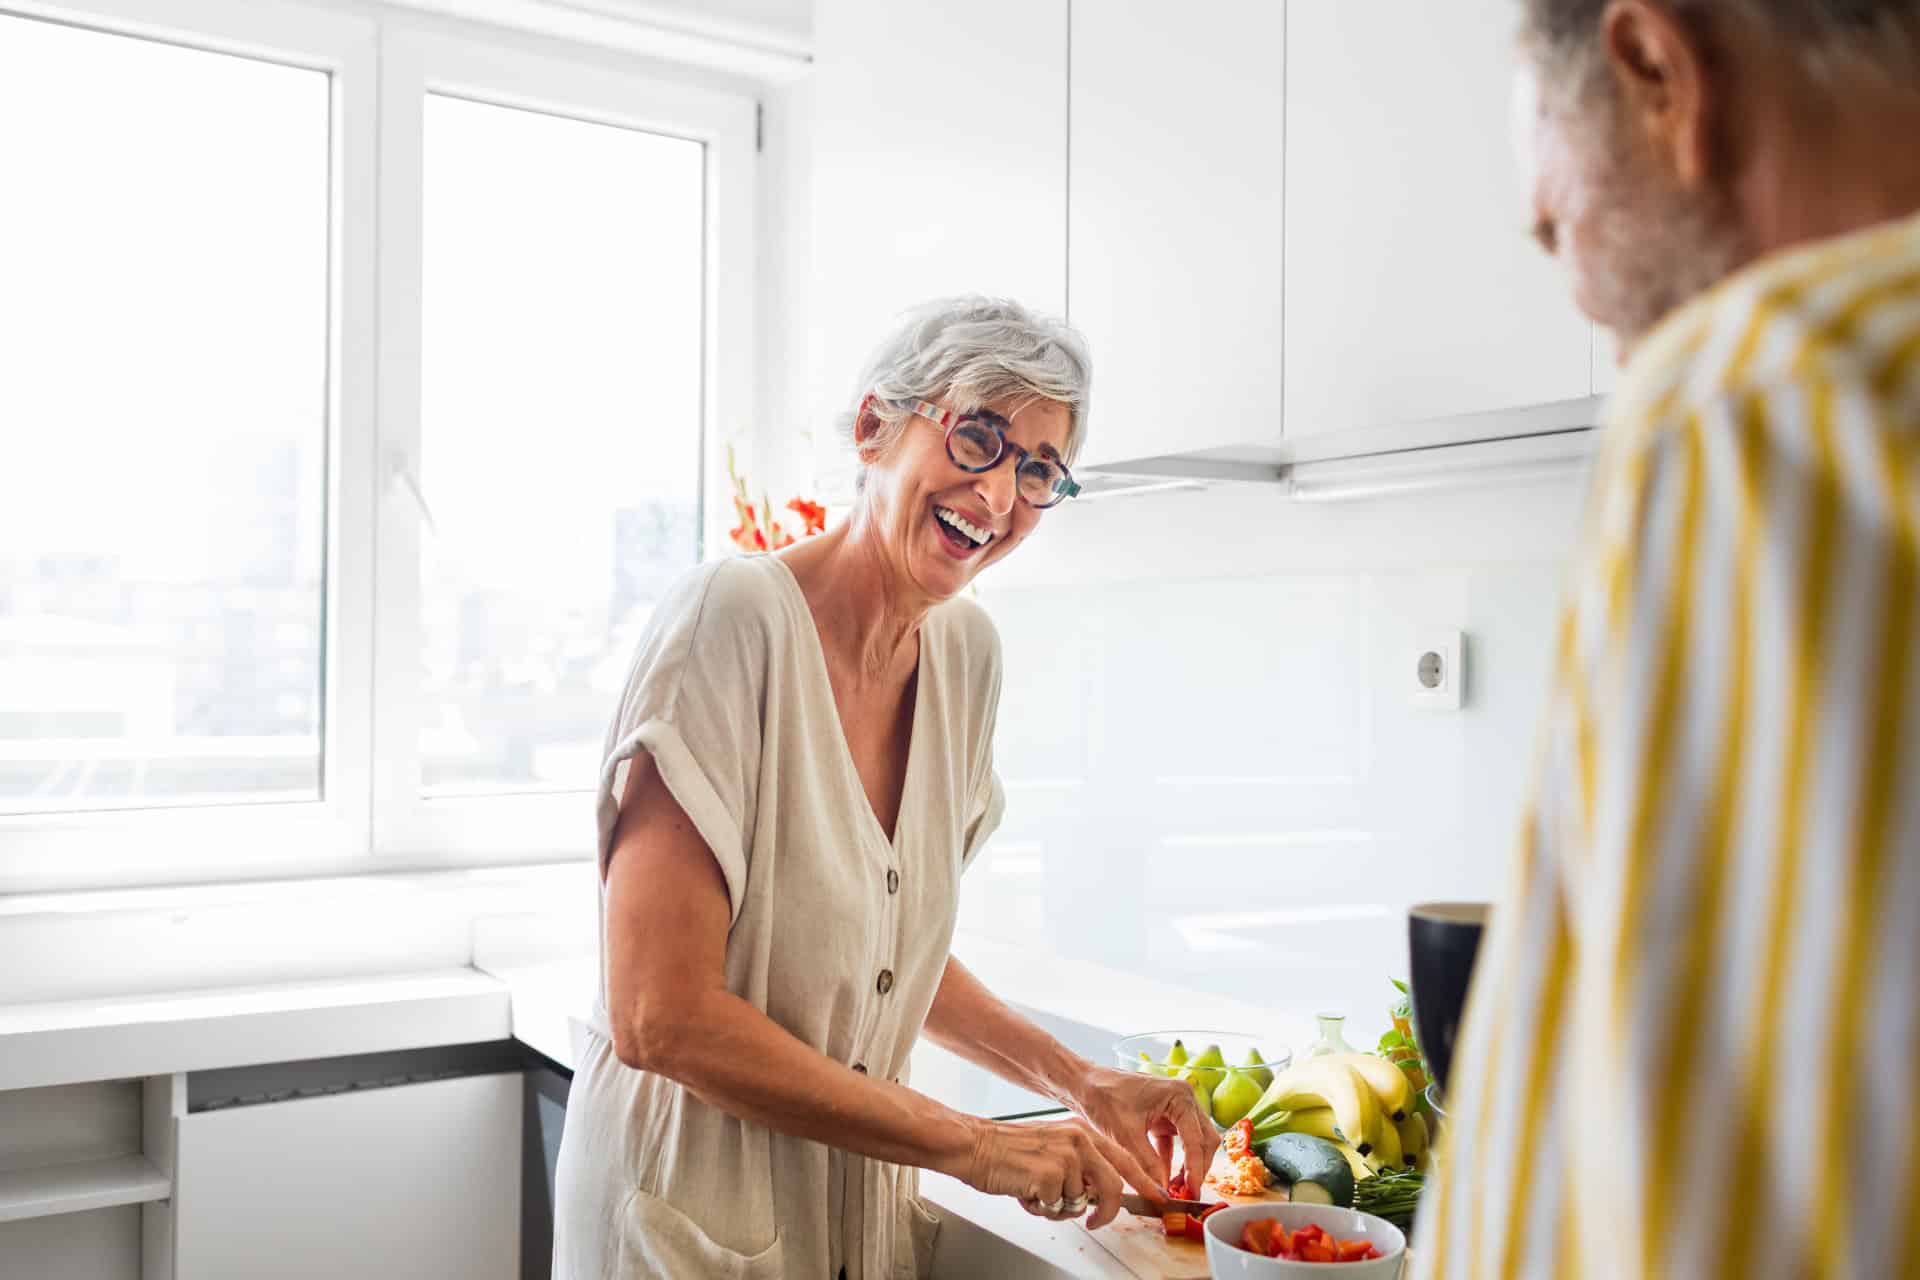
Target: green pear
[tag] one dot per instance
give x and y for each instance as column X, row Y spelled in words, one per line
column 1177, row 1056
column 1199, row 1068
column 1151, row 1067
column 1262, row 1076
column 1235, row 1097
column 1202, row 1094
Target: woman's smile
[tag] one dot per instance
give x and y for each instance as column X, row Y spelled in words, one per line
column 962, row 537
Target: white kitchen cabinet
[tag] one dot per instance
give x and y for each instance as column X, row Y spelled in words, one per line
column 1175, row 221
column 940, row 167
column 1413, row 292
column 415, row 1180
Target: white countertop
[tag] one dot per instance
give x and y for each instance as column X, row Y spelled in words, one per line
column 541, row 1003
column 69, row 1041
column 530, row 980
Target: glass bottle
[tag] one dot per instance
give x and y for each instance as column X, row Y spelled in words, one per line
column 1330, row 1040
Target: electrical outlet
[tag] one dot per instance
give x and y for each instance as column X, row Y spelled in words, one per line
column 1437, row 670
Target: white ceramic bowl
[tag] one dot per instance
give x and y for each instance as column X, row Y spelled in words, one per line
column 1228, row 1261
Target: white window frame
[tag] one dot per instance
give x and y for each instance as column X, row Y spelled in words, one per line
column 516, row 827
column 372, row 816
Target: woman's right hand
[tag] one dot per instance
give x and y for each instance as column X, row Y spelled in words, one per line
column 1064, row 1163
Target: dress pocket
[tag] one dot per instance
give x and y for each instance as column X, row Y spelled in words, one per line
column 913, row 1238
column 657, row 1239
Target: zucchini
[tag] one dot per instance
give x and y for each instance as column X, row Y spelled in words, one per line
column 1313, row 1169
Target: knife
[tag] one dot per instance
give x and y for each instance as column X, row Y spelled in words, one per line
column 1140, row 1205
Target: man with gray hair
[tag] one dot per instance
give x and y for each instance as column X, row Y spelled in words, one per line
column 1690, row 1046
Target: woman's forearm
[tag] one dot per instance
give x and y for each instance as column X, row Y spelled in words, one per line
column 969, row 1020
column 735, row 1057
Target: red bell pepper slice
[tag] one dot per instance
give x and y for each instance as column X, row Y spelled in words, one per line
column 1195, row 1231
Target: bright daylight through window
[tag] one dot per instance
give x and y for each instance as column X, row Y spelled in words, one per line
column 163, row 319
column 560, row 429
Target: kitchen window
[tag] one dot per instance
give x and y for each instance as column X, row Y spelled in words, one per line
column 163, row 247
column 559, row 430
column 365, row 376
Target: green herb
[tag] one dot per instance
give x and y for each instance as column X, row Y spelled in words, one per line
column 1393, row 1194
column 1398, row 1045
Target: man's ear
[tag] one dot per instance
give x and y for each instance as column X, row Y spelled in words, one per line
column 1660, row 71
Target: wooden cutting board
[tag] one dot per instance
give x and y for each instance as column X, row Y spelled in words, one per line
column 1141, row 1245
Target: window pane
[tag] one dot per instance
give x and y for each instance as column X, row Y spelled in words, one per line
column 163, row 335
column 560, row 429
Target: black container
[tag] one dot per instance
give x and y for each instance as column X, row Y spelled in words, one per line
column 1443, row 939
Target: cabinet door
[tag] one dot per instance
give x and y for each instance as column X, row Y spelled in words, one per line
column 1413, row 291
column 940, row 167
column 1175, row 222
column 416, row 1180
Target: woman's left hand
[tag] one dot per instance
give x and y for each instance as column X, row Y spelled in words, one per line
column 1144, row 1114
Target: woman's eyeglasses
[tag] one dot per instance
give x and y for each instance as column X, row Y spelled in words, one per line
column 977, row 442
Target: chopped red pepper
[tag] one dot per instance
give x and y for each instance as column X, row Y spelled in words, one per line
column 1195, row 1231
column 1311, row 1243
column 1175, row 1223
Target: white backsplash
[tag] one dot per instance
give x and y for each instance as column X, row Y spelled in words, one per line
column 1215, row 776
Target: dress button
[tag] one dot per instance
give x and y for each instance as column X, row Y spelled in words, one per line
column 886, row 981
column 893, row 880
column 861, row 1067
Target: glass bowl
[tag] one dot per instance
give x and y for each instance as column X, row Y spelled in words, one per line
column 1233, row 1047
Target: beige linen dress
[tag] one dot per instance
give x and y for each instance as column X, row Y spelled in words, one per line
column 838, row 934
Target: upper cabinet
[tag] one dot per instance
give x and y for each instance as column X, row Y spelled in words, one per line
column 1290, row 231
column 1174, row 222
column 1412, row 290
column 940, row 167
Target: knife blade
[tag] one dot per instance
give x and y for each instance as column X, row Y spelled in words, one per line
column 1138, row 1204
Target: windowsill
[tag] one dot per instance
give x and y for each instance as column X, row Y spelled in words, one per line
column 108, row 945
column 543, row 880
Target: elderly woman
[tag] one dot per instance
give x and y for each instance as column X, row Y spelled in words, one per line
column 800, row 770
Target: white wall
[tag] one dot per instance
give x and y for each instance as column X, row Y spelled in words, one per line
column 782, row 23
column 1214, row 775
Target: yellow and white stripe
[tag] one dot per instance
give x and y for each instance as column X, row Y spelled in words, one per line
column 1693, row 1045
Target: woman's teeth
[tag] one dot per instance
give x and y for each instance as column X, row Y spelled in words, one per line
column 975, row 534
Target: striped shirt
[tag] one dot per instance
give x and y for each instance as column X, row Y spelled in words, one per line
column 1693, row 1044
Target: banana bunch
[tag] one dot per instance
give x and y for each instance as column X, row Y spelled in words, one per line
column 1360, row 1103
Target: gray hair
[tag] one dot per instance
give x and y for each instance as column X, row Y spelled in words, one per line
column 1829, row 34
column 974, row 351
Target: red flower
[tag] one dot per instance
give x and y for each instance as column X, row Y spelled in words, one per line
column 812, row 515
column 748, row 538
